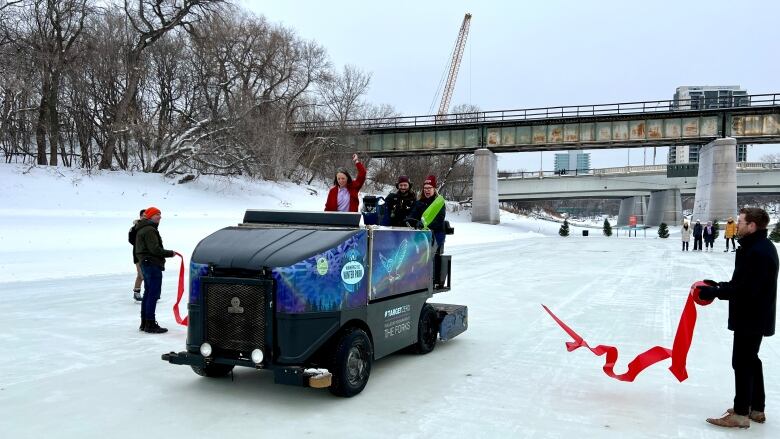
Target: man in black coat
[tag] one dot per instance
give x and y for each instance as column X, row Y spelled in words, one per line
column 697, row 233
column 400, row 203
column 752, row 296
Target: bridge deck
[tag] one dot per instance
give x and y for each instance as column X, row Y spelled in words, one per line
column 749, row 119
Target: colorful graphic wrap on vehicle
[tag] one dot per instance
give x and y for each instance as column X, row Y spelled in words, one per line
column 196, row 272
column 400, row 262
column 330, row 281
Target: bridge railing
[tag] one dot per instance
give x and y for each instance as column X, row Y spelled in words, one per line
column 640, row 107
column 744, row 166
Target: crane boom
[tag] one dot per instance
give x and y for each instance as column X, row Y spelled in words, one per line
column 457, row 55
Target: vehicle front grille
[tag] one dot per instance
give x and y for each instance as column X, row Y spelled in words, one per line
column 235, row 314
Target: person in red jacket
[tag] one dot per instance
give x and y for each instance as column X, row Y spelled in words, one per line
column 343, row 196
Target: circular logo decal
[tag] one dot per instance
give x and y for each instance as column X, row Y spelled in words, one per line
column 322, row 266
column 352, row 272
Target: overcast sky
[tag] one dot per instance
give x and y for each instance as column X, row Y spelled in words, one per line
column 523, row 54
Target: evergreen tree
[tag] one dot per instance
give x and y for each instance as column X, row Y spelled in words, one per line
column 564, row 231
column 775, row 235
column 607, row 228
column 715, row 229
column 663, row 231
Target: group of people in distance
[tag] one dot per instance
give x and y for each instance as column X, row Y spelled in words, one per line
column 403, row 206
column 707, row 234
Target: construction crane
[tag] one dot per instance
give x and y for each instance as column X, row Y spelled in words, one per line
column 452, row 75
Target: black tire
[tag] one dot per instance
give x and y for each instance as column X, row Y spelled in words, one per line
column 350, row 363
column 427, row 330
column 213, row 370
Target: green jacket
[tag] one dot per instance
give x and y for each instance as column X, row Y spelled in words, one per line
column 149, row 245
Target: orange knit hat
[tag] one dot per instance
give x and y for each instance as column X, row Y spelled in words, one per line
column 151, row 211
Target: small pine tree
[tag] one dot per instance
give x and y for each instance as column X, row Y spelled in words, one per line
column 775, row 235
column 663, row 231
column 715, row 229
column 607, row 228
column 564, row 231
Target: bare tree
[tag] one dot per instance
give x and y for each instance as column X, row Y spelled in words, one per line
column 770, row 158
column 150, row 20
column 342, row 93
column 55, row 27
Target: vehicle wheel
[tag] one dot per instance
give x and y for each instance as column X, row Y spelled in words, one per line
column 213, row 370
column 351, row 363
column 427, row 330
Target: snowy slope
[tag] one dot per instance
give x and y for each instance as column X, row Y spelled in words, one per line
column 76, row 365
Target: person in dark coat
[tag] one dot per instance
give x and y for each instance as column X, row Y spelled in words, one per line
column 150, row 251
column 697, row 233
column 343, row 196
column 399, row 204
column 709, row 236
column 139, row 277
column 428, row 213
column 752, row 296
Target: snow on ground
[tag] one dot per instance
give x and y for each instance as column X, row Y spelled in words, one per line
column 76, row 365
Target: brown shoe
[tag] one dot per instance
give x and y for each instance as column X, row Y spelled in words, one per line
column 755, row 415
column 731, row 420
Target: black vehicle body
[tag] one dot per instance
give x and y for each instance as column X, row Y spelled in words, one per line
column 316, row 296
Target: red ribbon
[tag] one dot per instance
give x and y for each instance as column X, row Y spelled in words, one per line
column 678, row 353
column 179, row 293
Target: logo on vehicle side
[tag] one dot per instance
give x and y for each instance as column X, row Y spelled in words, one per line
column 352, row 272
column 235, row 306
column 322, row 266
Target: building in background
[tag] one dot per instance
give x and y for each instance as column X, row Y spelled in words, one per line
column 572, row 162
column 705, row 97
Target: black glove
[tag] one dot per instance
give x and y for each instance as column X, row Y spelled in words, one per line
column 709, row 292
column 710, row 282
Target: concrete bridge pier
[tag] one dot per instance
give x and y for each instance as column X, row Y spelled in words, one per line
column 636, row 206
column 484, row 199
column 664, row 207
column 716, row 184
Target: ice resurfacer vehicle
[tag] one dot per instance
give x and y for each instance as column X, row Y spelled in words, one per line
column 314, row 297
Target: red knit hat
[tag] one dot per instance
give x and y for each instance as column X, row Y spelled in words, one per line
column 431, row 180
column 151, row 211
column 403, row 179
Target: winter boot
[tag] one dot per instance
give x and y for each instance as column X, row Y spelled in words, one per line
column 137, row 294
column 143, row 325
column 731, row 420
column 153, row 328
column 755, row 415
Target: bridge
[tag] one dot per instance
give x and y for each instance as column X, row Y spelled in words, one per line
column 645, row 191
column 719, row 128
column 748, row 119
column 626, row 181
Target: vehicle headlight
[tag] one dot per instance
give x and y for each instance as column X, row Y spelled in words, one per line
column 205, row 350
column 257, row 356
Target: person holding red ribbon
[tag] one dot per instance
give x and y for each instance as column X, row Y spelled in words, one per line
column 752, row 296
column 150, row 251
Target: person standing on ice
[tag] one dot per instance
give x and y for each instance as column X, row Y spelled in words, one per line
column 343, row 196
column 685, row 234
column 709, row 236
column 752, row 296
column 150, row 251
column 139, row 277
column 729, row 233
column 697, row 231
